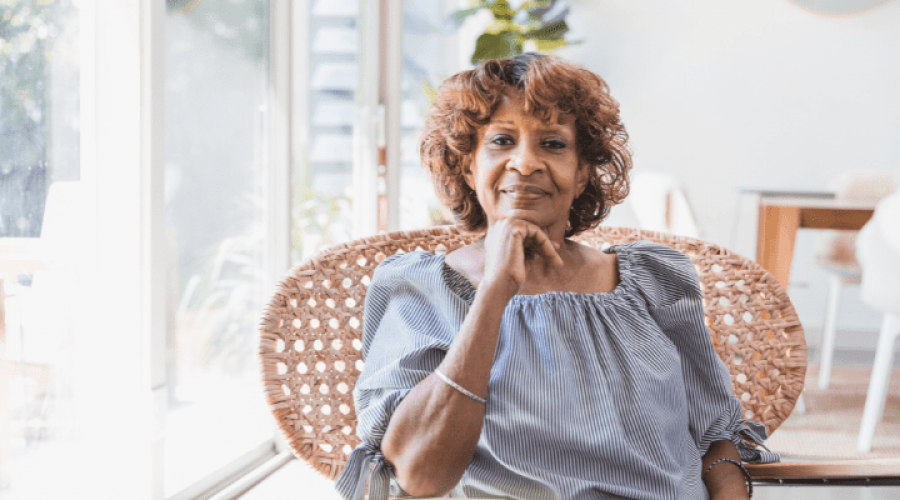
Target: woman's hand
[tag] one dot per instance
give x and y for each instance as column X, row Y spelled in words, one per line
column 511, row 247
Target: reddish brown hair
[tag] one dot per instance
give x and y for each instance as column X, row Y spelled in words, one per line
column 466, row 101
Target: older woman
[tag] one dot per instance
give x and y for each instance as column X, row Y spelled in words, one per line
column 526, row 365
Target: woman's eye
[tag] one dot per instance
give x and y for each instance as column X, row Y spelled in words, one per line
column 502, row 140
column 555, row 144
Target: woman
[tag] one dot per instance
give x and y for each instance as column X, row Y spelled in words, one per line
column 526, row 365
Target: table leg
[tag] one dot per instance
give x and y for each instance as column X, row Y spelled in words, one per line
column 775, row 240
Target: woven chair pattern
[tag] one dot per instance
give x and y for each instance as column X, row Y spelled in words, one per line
column 310, row 347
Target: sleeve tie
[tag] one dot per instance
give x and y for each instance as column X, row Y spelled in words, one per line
column 748, row 432
column 352, row 483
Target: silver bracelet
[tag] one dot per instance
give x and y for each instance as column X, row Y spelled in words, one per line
column 740, row 466
column 459, row 387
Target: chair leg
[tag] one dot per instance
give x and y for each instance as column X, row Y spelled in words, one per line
column 829, row 330
column 881, row 378
column 800, row 407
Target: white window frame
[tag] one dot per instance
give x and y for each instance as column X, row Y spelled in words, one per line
column 119, row 328
column 117, row 376
column 392, row 97
column 368, row 125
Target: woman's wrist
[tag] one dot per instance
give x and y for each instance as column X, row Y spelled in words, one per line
column 723, row 472
column 498, row 287
column 730, row 481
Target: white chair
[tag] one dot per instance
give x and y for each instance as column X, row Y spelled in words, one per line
column 44, row 309
column 45, row 305
column 836, row 252
column 878, row 251
column 659, row 204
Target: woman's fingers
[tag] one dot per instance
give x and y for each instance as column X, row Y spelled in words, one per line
column 511, row 244
column 534, row 238
column 505, row 252
column 549, row 248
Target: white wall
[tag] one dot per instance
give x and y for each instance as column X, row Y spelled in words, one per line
column 762, row 94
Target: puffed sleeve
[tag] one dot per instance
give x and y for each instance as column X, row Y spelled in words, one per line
column 671, row 286
column 406, row 334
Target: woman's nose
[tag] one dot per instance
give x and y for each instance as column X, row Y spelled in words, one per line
column 525, row 161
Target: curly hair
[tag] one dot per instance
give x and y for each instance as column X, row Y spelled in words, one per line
column 466, row 101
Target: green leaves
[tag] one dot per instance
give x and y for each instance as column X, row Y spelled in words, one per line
column 555, row 31
column 545, row 46
column 540, row 21
column 455, row 20
column 490, row 46
column 502, row 10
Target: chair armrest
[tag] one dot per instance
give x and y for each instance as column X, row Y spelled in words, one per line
column 881, row 472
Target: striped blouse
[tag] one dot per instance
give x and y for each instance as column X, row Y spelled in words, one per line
column 591, row 396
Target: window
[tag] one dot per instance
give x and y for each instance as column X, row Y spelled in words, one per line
column 83, row 250
column 146, row 277
column 326, row 73
column 216, row 163
column 424, row 38
column 39, row 154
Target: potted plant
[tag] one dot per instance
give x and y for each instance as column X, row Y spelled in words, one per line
column 518, row 26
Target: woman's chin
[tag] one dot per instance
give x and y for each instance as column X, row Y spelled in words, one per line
column 535, row 215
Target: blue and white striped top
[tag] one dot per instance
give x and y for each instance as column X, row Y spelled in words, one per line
column 609, row 395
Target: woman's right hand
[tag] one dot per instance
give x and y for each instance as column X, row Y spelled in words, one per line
column 512, row 247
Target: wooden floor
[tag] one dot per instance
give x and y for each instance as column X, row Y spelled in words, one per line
column 297, row 481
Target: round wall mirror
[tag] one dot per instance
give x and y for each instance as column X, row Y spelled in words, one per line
column 838, row 6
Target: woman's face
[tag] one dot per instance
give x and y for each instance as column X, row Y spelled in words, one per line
column 527, row 168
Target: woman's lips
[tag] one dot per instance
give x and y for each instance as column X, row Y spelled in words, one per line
column 523, row 191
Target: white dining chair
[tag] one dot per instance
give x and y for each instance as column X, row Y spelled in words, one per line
column 45, row 306
column 44, row 309
column 659, row 204
column 878, row 252
column 835, row 252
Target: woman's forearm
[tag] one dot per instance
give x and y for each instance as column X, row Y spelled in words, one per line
column 432, row 434
column 725, row 480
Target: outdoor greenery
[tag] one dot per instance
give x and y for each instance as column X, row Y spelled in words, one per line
column 28, row 30
column 316, row 218
column 237, row 24
column 216, row 67
column 220, row 306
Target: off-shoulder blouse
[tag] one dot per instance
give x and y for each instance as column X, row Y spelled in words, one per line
column 591, row 396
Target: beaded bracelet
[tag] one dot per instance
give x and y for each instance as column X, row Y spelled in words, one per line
column 459, row 387
column 740, row 466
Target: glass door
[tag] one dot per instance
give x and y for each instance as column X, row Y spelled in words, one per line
column 217, row 108
column 429, row 52
column 326, row 73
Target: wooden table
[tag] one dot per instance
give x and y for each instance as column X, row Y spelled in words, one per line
column 878, row 472
column 781, row 216
column 19, row 256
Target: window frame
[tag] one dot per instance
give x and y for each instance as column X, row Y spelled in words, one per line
column 121, row 385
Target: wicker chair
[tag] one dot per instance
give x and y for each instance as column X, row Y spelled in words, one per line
column 310, row 348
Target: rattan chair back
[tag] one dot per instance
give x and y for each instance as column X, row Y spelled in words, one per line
column 310, row 333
